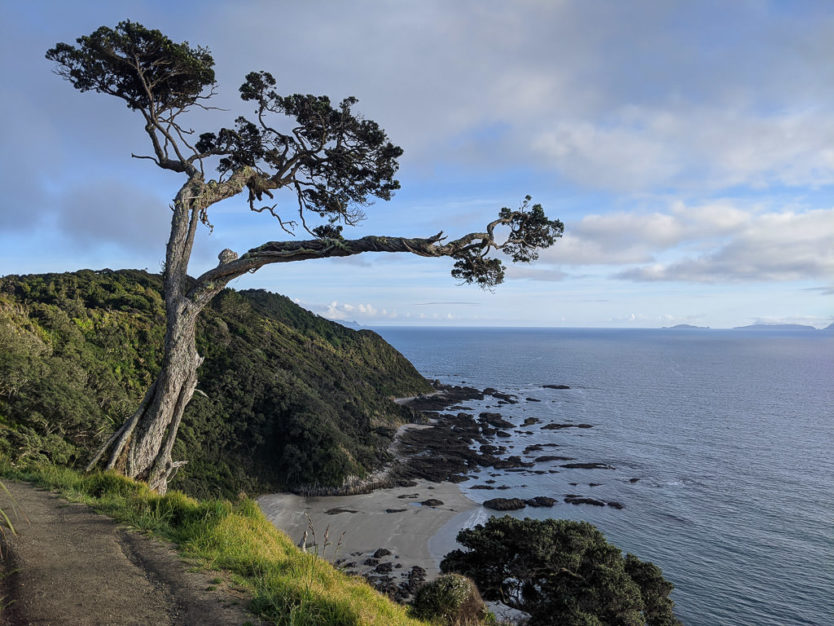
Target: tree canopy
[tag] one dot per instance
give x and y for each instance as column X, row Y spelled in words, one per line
column 334, row 160
column 561, row 572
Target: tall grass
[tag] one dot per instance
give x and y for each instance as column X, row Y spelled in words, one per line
column 288, row 586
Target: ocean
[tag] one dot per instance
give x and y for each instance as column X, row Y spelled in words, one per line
column 729, row 435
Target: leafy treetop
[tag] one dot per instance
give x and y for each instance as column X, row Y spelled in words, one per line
column 331, row 158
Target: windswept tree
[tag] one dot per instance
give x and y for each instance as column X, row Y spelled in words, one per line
column 331, row 160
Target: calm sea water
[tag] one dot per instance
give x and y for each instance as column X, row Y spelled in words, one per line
column 730, row 434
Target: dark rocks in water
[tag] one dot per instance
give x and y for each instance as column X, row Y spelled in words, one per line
column 371, row 562
column 503, row 487
column 511, row 462
column 580, row 500
column 457, row 478
column 505, row 504
column 395, row 510
column 540, row 501
column 506, row 397
column 495, row 419
column 409, row 495
column 594, row 484
column 615, row 505
column 384, row 568
column 446, row 396
column 490, row 481
column 633, row 480
column 532, row 399
column 588, row 466
column 443, row 452
column 531, row 420
column 381, row 552
column 502, row 433
column 482, row 487
column 556, row 386
column 432, row 502
column 560, row 426
column 490, row 449
column 545, row 459
column 539, row 472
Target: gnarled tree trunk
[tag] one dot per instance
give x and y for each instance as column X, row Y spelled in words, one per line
column 142, row 447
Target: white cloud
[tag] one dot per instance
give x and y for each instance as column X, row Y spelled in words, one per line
column 347, row 312
column 770, row 247
column 711, row 242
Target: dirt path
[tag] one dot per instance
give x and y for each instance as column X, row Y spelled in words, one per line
column 70, row 565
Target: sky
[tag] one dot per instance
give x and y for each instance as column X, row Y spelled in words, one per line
column 688, row 147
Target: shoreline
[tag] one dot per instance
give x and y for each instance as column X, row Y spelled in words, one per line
column 383, row 535
column 393, row 527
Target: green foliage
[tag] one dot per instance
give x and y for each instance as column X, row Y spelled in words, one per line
column 530, row 231
column 561, row 572
column 450, row 599
column 285, row 398
column 121, row 61
column 340, row 158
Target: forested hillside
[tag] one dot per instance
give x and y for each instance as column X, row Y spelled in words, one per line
column 285, row 397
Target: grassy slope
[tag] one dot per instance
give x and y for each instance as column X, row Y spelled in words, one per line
column 288, row 585
column 286, row 398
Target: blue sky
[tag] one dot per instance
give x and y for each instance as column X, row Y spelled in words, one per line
column 687, row 146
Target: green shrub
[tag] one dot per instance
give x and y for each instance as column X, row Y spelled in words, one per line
column 450, row 599
column 561, row 572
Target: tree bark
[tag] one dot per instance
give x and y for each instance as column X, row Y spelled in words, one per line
column 142, row 447
column 148, row 456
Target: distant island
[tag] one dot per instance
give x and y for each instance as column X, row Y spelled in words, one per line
column 685, row 327
column 775, row 327
column 756, row 327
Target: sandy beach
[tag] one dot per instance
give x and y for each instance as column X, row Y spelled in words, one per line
column 392, row 519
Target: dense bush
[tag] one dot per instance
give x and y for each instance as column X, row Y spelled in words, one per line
column 561, row 572
column 285, row 397
column 450, row 599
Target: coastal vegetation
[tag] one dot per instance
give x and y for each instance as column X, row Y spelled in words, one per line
column 330, row 160
column 286, row 398
column 561, row 572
